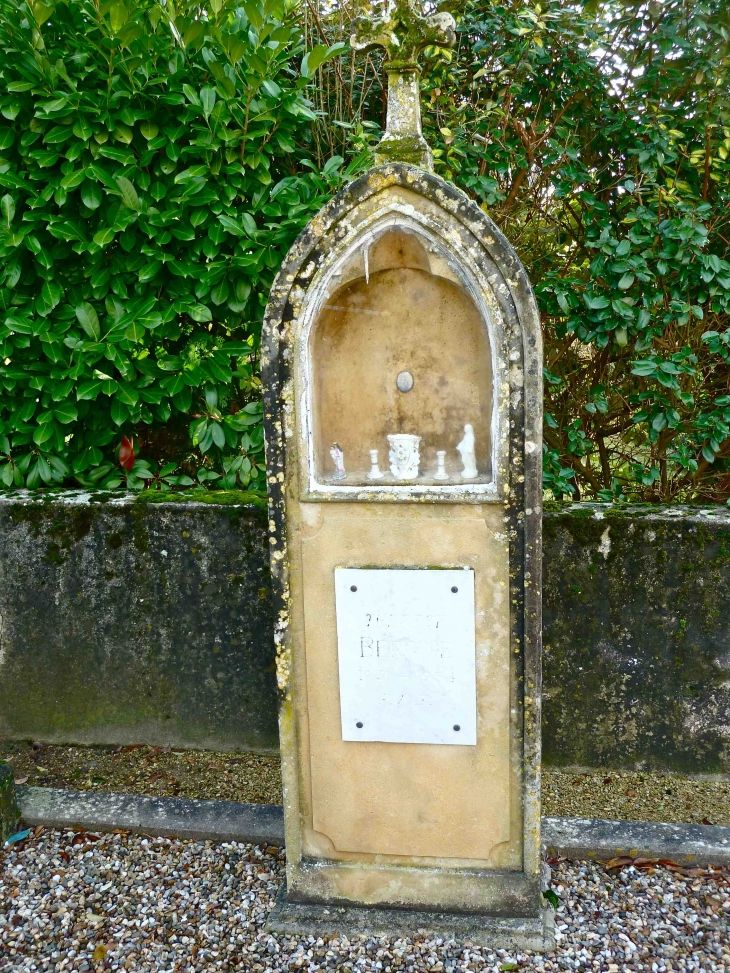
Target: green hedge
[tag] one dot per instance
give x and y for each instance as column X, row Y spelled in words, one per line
column 597, row 136
column 149, row 194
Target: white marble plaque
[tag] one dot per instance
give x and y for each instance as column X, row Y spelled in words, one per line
column 406, row 652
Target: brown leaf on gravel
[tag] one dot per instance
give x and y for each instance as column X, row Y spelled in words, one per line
column 649, row 864
column 643, row 864
column 21, row 780
column 82, row 836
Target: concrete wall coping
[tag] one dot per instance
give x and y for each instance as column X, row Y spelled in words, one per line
column 123, row 498
column 597, row 508
column 716, row 513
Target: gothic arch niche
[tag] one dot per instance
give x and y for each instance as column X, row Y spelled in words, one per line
column 397, row 307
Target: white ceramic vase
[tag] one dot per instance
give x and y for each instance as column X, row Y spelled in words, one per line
column 404, row 455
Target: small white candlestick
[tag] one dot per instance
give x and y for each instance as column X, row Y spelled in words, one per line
column 441, row 473
column 466, row 450
column 375, row 472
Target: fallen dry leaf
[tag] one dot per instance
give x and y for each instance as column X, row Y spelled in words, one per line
column 82, row 836
column 643, row 864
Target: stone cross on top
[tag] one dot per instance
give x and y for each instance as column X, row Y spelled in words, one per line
column 404, row 32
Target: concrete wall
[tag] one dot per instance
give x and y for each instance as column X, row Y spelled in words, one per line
column 126, row 621
column 636, row 667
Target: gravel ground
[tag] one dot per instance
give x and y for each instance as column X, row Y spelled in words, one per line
column 159, row 771
column 255, row 778
column 636, row 796
column 75, row 901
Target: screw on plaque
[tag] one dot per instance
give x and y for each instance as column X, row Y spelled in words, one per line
column 359, row 726
column 353, row 587
column 454, row 589
column 457, row 727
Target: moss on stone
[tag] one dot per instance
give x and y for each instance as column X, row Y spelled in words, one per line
column 53, row 554
column 139, row 528
column 29, row 505
column 9, row 811
column 237, row 498
column 410, row 150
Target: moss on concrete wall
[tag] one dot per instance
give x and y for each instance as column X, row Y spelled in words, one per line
column 636, row 664
column 9, row 811
column 123, row 621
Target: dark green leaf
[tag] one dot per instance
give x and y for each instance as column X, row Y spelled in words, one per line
column 129, row 193
column 89, row 320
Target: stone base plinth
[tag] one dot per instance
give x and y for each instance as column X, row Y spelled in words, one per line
column 495, row 932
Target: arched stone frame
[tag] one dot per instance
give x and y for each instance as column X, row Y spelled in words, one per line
column 470, row 274
column 507, row 293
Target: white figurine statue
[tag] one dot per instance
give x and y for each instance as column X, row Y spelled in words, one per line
column 441, row 473
column 466, row 450
column 375, row 472
column 404, row 456
column 338, row 458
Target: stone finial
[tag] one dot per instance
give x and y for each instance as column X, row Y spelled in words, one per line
column 404, row 32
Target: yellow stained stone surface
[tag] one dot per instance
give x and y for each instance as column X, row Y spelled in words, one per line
column 414, row 801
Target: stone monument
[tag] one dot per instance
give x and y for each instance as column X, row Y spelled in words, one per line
column 402, row 369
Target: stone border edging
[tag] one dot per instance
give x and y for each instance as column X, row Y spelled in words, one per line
column 686, row 844
column 180, row 816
